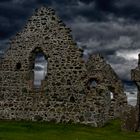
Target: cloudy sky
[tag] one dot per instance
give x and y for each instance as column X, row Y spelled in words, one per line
column 108, row 27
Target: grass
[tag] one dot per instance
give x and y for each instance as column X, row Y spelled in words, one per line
column 11, row 130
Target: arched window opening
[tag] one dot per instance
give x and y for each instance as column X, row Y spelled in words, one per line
column 40, row 69
column 111, row 91
column 92, row 83
column 18, row 66
column 111, row 95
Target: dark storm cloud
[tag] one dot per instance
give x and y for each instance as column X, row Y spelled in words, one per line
column 11, row 18
column 127, row 8
column 15, row 12
column 105, row 5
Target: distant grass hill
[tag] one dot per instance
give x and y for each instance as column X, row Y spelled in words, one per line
column 10, row 130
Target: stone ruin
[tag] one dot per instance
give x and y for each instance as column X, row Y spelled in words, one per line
column 98, row 69
column 73, row 91
column 131, row 117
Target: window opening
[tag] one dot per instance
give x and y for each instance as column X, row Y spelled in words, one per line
column 40, row 69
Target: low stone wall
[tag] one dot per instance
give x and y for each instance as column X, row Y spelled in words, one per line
column 88, row 109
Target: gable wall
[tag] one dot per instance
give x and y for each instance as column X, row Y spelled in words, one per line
column 63, row 96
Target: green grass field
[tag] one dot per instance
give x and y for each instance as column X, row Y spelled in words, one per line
column 49, row 131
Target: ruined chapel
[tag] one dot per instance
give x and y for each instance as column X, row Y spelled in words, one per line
column 73, row 91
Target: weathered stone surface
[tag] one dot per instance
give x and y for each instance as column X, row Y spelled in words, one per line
column 133, row 114
column 130, row 119
column 102, row 73
column 68, row 93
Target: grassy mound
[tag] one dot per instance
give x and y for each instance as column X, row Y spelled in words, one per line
column 48, row 131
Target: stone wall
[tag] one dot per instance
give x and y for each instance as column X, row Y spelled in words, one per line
column 65, row 95
column 132, row 114
column 102, row 73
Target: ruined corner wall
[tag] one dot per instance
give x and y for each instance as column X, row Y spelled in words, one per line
column 64, row 95
column 131, row 119
column 103, row 73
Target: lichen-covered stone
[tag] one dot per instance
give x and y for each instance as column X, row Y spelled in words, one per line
column 67, row 93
